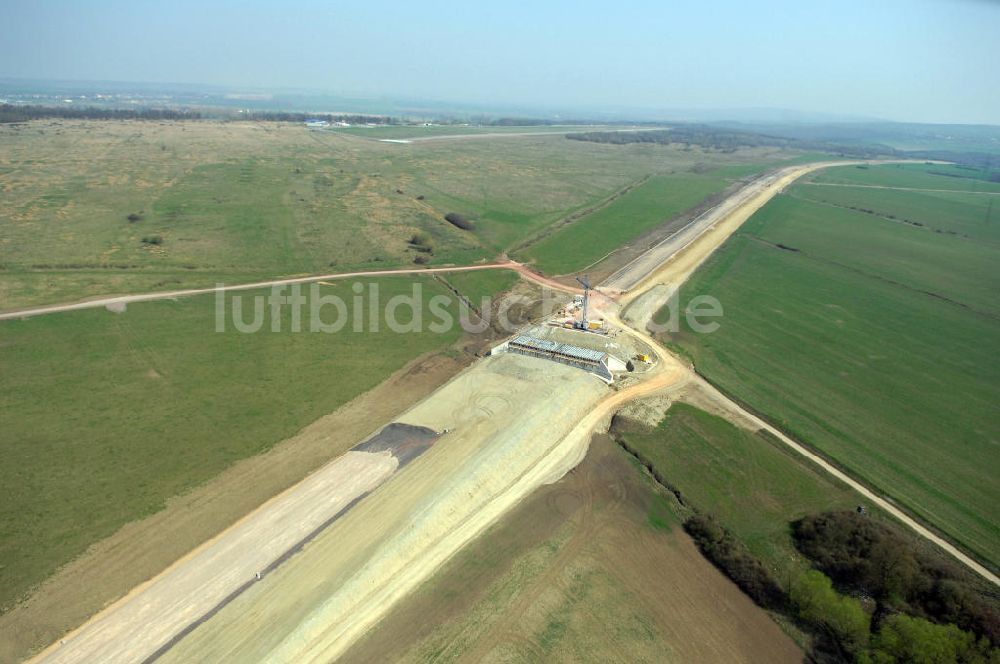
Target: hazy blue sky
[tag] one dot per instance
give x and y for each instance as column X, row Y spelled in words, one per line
column 922, row 60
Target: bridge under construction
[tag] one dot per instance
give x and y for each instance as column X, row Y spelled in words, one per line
column 597, row 362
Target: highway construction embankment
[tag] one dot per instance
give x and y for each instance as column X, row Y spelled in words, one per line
column 513, row 423
column 510, row 422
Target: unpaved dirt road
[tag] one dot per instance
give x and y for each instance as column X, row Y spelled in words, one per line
column 118, row 302
column 874, row 498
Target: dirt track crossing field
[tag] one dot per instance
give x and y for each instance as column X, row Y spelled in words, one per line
column 119, row 302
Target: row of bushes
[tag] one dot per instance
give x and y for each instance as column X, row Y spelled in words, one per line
column 726, row 139
column 25, row 112
column 732, row 557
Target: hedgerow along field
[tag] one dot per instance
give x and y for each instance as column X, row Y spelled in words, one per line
column 109, row 207
column 111, row 414
column 871, row 339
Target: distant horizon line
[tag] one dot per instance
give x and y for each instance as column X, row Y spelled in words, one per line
column 638, row 114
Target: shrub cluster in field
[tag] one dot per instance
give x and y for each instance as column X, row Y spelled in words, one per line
column 868, row 558
column 422, row 244
column 458, row 221
column 923, row 610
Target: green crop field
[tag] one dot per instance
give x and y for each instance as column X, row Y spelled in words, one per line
column 95, row 208
column 872, row 340
column 917, row 176
column 754, row 487
column 108, row 415
column 974, row 217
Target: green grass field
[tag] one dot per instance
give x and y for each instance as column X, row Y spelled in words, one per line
column 109, row 415
column 751, row 485
column 916, row 176
column 873, row 341
column 247, row 201
column 482, row 283
column 576, row 246
column 876, row 248
column 584, row 242
column 973, row 217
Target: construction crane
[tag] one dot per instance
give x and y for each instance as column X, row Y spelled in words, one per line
column 585, row 282
column 585, row 323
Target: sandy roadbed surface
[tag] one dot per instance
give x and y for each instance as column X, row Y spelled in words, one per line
column 680, row 254
column 134, row 627
column 515, row 423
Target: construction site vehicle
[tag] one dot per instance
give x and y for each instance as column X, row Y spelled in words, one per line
column 594, row 324
column 643, row 357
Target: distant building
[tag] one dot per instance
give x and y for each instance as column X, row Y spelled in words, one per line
column 317, row 124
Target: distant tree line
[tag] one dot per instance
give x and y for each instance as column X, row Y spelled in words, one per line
column 844, row 143
column 288, row 116
column 727, row 140
column 23, row 113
